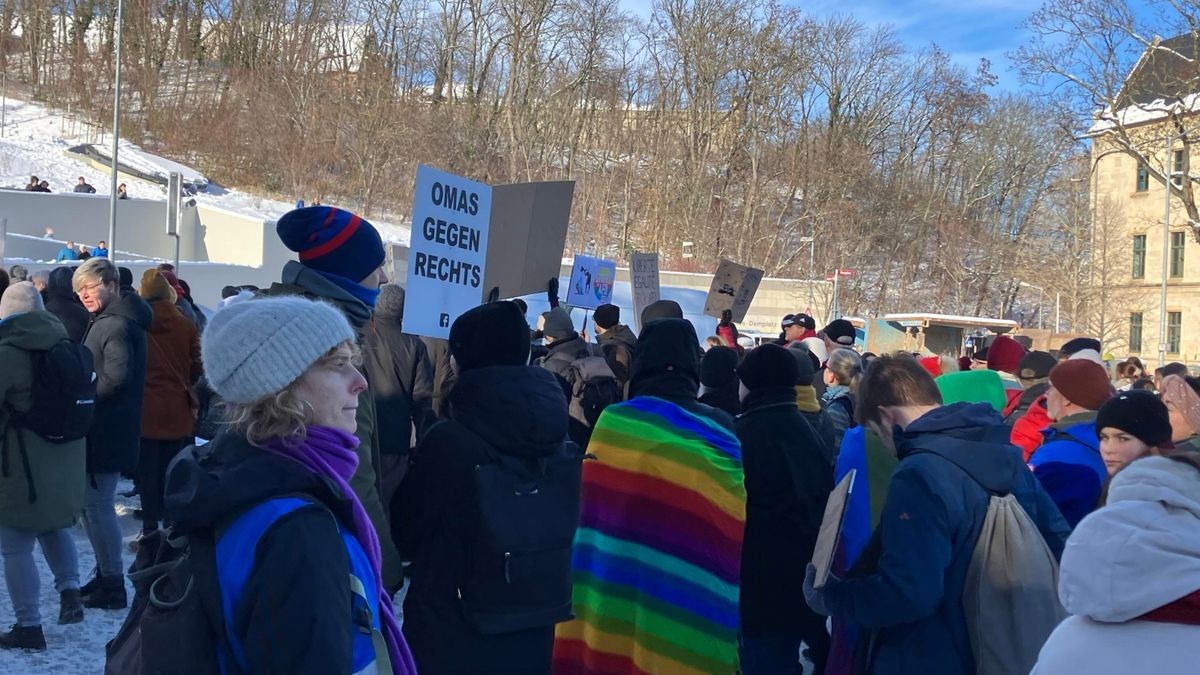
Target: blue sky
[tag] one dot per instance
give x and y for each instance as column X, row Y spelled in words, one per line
column 965, row 29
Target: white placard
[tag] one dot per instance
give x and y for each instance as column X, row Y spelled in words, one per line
column 447, row 251
column 643, row 278
column 733, row 288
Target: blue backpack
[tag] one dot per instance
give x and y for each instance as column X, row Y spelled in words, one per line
column 187, row 588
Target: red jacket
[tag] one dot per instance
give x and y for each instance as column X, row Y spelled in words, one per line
column 1027, row 431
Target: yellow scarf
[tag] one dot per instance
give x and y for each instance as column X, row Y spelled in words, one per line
column 806, row 398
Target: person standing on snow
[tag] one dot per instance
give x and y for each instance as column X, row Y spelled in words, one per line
column 1130, row 577
column 42, row 491
column 117, row 339
column 341, row 262
column 298, row 559
column 907, row 591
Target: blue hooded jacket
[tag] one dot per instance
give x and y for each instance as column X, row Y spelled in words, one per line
column 1070, row 467
column 909, row 588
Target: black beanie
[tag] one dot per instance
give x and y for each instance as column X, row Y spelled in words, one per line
column 124, row 277
column 607, row 316
column 494, row 334
column 769, row 366
column 661, row 309
column 1036, row 366
column 1139, row 414
column 841, row 332
column 666, row 346
column 718, row 366
column 1079, row 344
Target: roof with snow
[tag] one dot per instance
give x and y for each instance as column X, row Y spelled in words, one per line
column 1165, row 79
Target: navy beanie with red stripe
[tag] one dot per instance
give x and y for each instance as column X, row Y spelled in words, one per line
column 332, row 240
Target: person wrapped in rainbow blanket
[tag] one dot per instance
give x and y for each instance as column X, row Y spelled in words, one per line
column 658, row 550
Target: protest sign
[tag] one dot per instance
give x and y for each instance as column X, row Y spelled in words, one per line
column 592, row 281
column 527, row 233
column 643, row 278
column 447, row 251
column 733, row 288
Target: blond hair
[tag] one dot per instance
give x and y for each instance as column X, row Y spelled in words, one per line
column 95, row 269
column 284, row 414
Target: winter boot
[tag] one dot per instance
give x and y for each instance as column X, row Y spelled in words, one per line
column 70, row 608
column 24, row 637
column 93, row 585
column 110, row 595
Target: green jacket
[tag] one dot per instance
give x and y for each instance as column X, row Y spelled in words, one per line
column 58, row 470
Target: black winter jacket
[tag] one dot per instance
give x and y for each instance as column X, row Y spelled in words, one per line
column 788, row 481
column 296, row 602
column 434, row 516
column 401, row 376
column 61, row 301
column 117, row 340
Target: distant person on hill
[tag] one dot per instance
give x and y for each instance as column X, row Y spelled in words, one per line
column 84, row 187
column 49, row 233
column 32, row 186
column 121, row 193
column 43, row 186
column 83, row 253
column 67, row 253
column 101, row 250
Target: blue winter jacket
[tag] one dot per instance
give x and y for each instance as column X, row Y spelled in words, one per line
column 1070, row 467
column 908, row 596
column 65, row 254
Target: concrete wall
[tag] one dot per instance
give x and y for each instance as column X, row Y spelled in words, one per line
column 217, row 247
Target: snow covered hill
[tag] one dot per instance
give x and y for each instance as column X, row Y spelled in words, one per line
column 35, row 140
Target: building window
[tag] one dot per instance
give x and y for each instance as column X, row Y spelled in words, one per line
column 1143, row 178
column 1174, row 330
column 1135, row 332
column 1177, row 168
column 1139, row 256
column 1177, row 241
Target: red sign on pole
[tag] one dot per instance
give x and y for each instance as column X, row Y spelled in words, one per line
column 846, row 273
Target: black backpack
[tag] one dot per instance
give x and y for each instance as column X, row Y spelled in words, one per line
column 519, row 574
column 594, row 387
column 64, row 393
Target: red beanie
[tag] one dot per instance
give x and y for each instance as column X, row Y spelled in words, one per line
column 1084, row 383
column 1005, row 355
column 932, row 364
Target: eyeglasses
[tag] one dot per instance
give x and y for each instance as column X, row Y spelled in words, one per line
column 89, row 289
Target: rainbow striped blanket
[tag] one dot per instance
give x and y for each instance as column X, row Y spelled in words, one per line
column 658, row 551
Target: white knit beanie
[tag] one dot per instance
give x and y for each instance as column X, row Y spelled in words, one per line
column 255, row 348
column 20, row 298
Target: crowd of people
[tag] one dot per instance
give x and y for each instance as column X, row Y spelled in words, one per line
column 548, row 502
column 81, row 186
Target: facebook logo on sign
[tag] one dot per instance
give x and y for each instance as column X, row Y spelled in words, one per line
column 444, row 320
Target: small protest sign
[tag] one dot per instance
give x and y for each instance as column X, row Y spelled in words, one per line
column 448, row 251
column 643, row 277
column 592, row 281
column 733, row 288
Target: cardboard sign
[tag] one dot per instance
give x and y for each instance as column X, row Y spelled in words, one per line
column 528, row 231
column 592, row 281
column 831, row 529
column 447, row 255
column 733, row 288
column 643, row 280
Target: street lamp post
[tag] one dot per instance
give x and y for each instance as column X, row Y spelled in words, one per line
column 1168, row 164
column 1041, row 291
column 116, row 132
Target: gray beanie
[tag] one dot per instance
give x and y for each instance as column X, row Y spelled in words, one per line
column 20, row 298
column 255, row 348
column 390, row 304
column 559, row 324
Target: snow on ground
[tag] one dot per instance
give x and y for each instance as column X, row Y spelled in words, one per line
column 34, row 141
column 77, row 649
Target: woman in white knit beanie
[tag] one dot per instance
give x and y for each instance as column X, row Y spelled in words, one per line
column 312, row 600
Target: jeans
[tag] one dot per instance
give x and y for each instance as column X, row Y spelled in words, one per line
column 21, row 575
column 779, row 653
column 100, row 522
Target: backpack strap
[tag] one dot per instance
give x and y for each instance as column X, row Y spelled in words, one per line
column 237, row 542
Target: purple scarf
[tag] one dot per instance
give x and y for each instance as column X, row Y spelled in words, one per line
column 330, row 453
